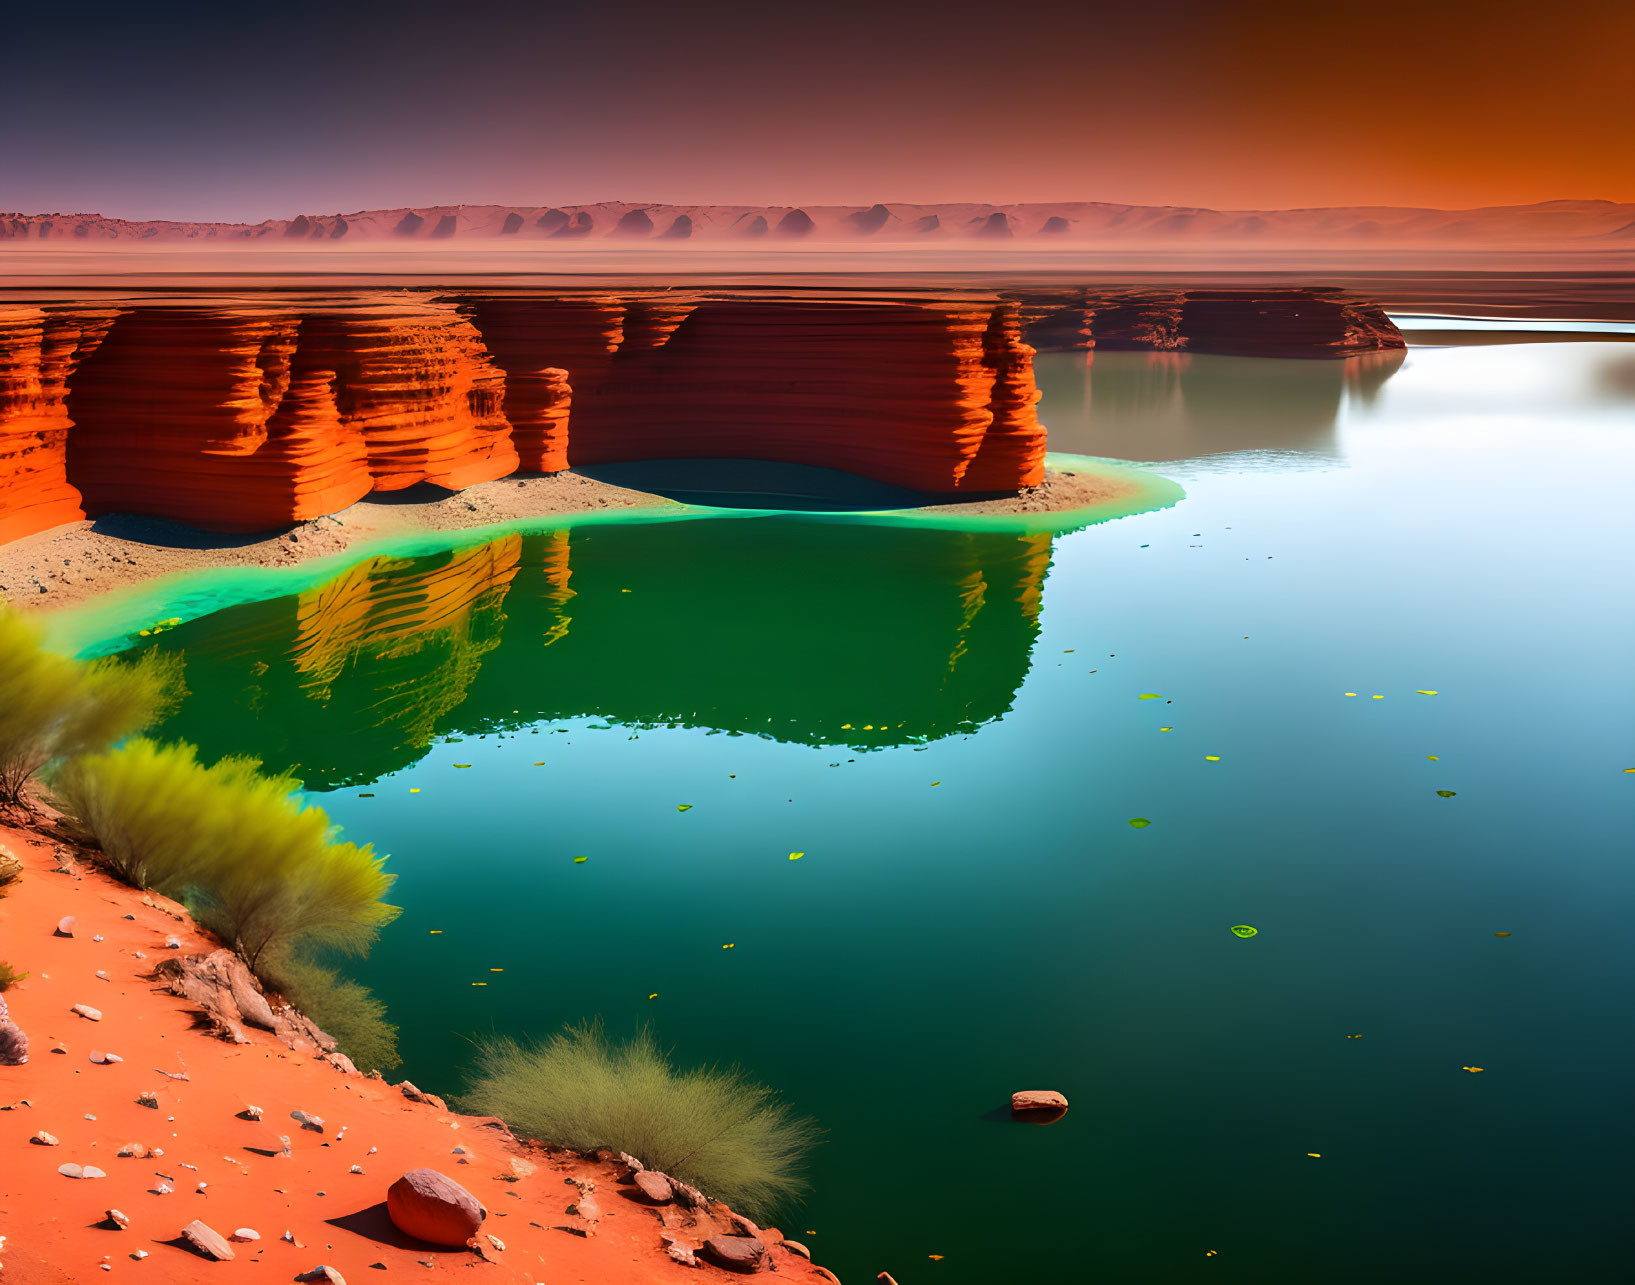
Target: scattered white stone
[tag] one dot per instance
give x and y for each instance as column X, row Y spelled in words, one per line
column 65, row 926
column 105, row 1059
column 253, row 1113
column 372, row 1150
column 148, row 1098
column 132, row 1151
column 98, row 937
column 323, row 1273
column 495, row 1241
column 118, row 1219
column 173, row 943
column 103, row 975
column 71, row 1171
column 201, row 1186
column 246, row 1234
column 139, row 1255
column 357, row 1168
column 43, row 1139
column 90, row 1117
column 87, row 1012
column 163, row 1189
column 91, row 1171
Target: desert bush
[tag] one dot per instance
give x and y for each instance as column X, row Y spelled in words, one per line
column 9, row 977
column 345, row 1009
column 716, row 1129
column 256, row 865
column 53, row 707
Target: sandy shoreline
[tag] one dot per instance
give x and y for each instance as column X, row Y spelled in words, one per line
column 70, row 565
column 209, row 1162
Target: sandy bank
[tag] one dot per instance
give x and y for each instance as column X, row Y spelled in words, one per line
column 229, row 1172
column 72, row 564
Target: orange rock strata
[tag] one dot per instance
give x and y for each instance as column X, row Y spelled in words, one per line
column 239, row 414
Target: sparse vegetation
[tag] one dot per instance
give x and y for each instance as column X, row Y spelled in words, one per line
column 346, row 1010
column 713, row 1128
column 258, row 867
column 53, row 707
column 9, row 977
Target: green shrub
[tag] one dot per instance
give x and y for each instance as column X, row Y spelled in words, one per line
column 345, row 1010
column 713, row 1128
column 53, row 707
column 257, row 866
column 9, row 977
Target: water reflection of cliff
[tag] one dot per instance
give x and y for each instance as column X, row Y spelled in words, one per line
column 1163, row 406
column 747, row 626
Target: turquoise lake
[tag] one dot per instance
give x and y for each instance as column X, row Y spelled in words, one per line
column 951, row 727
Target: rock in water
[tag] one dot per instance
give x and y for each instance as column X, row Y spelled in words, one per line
column 209, row 1243
column 1038, row 1100
column 434, row 1208
column 736, row 1253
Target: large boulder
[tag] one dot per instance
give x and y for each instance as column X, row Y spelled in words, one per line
column 434, row 1208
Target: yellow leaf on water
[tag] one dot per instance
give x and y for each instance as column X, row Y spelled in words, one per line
column 796, row 856
column 1149, row 696
column 1420, row 691
column 496, row 970
column 935, row 1258
column 434, row 931
column 1351, row 693
column 479, row 983
column 1212, row 758
column 1474, row 1070
column 683, row 807
column 462, row 765
column 1376, row 698
column 1315, row 1155
column 1433, row 758
column 729, row 945
column 654, row 995
column 414, row 789
column 868, row 727
column 935, row 784
column 579, row 861
column 1166, row 729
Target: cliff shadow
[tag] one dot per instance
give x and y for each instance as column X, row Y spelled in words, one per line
column 165, row 534
column 757, row 484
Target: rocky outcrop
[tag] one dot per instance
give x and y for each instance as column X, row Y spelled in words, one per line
column 13, row 1042
column 252, row 414
column 40, row 349
column 1262, row 322
column 245, row 418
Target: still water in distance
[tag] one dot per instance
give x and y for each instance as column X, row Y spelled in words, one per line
column 956, row 727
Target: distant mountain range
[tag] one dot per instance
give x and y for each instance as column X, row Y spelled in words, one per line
column 1558, row 224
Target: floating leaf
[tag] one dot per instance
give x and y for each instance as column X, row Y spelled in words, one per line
column 728, row 945
column 1212, row 758
column 1376, row 698
column 1420, row 691
column 1166, row 729
column 462, row 765
column 654, row 995
column 433, row 931
column 1315, row 1155
column 1139, row 823
column 1351, row 693
column 1474, row 1070
column 1243, row 930
column 935, row 784
column 684, row 807
column 414, row 789
column 1501, row 934
column 479, row 983
column 935, row 1258
column 579, row 861
column 1358, row 1036
column 796, row 856
column 1149, row 696
column 1433, row 758
column 1446, row 794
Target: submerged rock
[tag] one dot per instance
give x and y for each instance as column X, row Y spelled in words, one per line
column 736, row 1253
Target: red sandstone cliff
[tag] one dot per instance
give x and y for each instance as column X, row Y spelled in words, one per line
column 245, row 414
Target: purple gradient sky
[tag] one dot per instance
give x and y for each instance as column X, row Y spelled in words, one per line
column 250, row 112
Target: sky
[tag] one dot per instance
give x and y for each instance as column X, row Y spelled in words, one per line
column 243, row 112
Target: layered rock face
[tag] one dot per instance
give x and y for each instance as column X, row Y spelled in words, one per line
column 937, row 397
column 251, row 417
column 1268, row 322
column 245, row 415
column 39, row 350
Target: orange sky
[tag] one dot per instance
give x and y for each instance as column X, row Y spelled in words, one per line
column 241, row 114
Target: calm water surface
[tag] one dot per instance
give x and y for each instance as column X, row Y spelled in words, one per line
column 949, row 726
